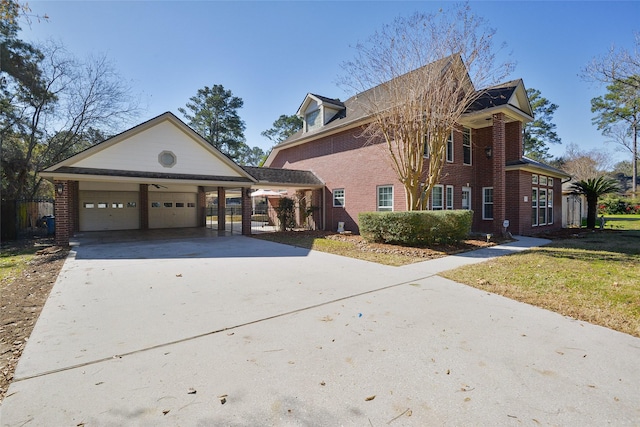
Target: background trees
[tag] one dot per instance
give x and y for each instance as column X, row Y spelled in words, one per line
column 413, row 103
column 541, row 131
column 621, row 106
column 283, row 128
column 213, row 113
column 53, row 105
column 619, row 69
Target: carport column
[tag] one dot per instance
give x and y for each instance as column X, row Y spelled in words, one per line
column 144, row 206
column 202, row 207
column 246, row 212
column 222, row 207
column 499, row 181
column 61, row 209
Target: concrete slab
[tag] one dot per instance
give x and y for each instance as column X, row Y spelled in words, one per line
column 291, row 337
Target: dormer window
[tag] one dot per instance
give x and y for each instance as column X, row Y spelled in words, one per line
column 313, row 120
column 316, row 111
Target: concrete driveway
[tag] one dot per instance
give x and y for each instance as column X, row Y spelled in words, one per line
column 235, row 331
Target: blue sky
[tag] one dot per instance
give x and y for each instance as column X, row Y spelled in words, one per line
column 271, row 54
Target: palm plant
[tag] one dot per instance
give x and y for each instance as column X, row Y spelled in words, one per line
column 592, row 189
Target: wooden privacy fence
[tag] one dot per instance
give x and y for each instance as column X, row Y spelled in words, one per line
column 26, row 218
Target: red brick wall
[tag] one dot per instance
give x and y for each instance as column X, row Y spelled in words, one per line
column 246, row 211
column 347, row 161
column 144, row 206
column 222, row 206
column 61, row 208
column 514, row 147
column 202, row 207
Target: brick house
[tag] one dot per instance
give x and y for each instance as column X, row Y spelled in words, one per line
column 485, row 169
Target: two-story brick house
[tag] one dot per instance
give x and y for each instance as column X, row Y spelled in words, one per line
column 485, row 169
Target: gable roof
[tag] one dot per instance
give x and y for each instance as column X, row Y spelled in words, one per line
column 134, row 154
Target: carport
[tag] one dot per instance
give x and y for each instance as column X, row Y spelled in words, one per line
column 156, row 176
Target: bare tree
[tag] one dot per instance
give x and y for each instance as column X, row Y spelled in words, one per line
column 617, row 65
column 80, row 100
column 422, row 71
column 585, row 165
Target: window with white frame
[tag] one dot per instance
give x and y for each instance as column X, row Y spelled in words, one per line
column 437, row 198
column 312, row 120
column 487, row 203
column 466, row 146
column 385, row 198
column 338, row 198
column 450, row 148
column 542, row 204
column 466, row 198
column 534, row 206
column 541, row 200
column 449, row 196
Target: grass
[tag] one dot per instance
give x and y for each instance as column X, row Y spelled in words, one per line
column 595, row 278
column 622, row 222
column 14, row 260
column 338, row 247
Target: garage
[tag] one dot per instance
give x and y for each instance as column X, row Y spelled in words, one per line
column 172, row 210
column 109, row 210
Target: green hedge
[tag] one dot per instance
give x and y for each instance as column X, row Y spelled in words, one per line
column 415, row 228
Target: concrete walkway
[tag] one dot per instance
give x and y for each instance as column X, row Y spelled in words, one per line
column 233, row 331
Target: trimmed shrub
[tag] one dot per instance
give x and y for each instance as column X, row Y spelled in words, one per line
column 415, row 228
column 615, row 205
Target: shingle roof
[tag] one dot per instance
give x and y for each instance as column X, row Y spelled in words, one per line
column 140, row 174
column 283, row 176
column 494, row 96
column 333, row 101
column 525, row 161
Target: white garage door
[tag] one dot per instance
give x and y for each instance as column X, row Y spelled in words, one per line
column 172, row 210
column 109, row 210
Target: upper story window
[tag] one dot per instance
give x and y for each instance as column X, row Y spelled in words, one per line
column 312, row 120
column 466, row 146
column 450, row 148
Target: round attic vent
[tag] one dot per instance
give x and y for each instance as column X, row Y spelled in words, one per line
column 167, row 159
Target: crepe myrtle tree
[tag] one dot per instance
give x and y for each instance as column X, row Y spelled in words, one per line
column 415, row 79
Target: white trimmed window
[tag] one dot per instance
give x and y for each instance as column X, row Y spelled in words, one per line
column 466, row 198
column 550, row 207
column 534, row 206
column 466, row 146
column 542, row 204
column 449, row 197
column 437, row 196
column 312, row 120
column 338, row 198
column 487, row 203
column 450, row 148
column 385, row 198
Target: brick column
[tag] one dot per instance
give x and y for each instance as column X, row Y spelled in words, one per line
column 222, row 206
column 144, row 206
column 74, row 207
column 202, row 207
column 61, row 209
column 246, row 211
column 499, row 182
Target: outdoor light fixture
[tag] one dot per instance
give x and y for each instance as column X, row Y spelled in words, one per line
column 488, row 152
column 59, row 188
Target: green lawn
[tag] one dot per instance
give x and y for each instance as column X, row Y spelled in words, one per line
column 594, row 277
column 622, row 222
